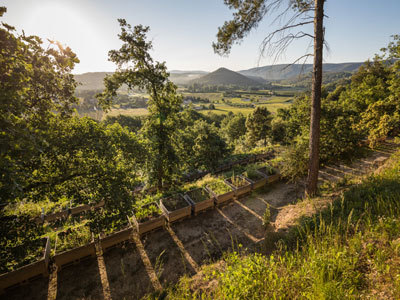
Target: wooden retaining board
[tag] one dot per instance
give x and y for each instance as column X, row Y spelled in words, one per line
column 22, row 274
column 73, row 211
column 271, row 178
column 241, row 191
column 260, row 183
column 150, row 225
column 76, row 254
column 275, row 177
column 202, row 205
column 176, row 215
column 116, row 238
column 79, row 209
column 223, row 198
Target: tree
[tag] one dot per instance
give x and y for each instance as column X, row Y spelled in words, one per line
column 234, row 127
column 258, row 125
column 248, row 15
column 200, row 146
column 34, row 83
column 136, row 69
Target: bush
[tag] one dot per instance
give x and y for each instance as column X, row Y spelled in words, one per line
column 295, row 160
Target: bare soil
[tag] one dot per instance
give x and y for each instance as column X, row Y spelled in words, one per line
column 160, row 258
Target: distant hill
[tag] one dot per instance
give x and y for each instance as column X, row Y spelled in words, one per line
column 91, row 80
column 223, row 76
column 94, row 80
column 279, row 72
column 184, row 77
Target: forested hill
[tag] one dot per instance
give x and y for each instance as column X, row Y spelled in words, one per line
column 279, row 72
column 91, row 80
column 223, row 76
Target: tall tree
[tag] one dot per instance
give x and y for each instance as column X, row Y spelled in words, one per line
column 248, row 14
column 136, row 69
column 35, row 82
column 258, row 125
column 313, row 167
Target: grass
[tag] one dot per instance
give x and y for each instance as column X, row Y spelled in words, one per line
column 349, row 251
column 272, row 103
column 127, row 112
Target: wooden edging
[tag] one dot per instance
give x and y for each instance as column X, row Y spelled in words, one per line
column 116, row 238
column 68, row 257
column 28, row 272
column 40, row 267
column 260, row 182
column 202, row 205
column 176, row 215
column 66, row 212
column 223, row 198
column 251, row 159
column 241, row 191
column 150, row 225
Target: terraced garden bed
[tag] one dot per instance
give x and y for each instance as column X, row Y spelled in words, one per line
column 72, row 245
column 117, row 230
column 25, row 262
column 272, row 174
column 200, row 199
column 221, row 191
column 175, row 207
column 257, row 178
column 240, row 185
column 147, row 218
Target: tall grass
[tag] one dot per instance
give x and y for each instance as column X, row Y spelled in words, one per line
column 349, row 251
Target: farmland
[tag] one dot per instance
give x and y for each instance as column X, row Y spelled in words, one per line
column 223, row 104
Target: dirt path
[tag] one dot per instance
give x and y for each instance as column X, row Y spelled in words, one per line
column 162, row 257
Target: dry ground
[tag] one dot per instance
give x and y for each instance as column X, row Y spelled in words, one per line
column 160, row 258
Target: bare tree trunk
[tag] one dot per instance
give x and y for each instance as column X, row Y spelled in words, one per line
column 313, row 166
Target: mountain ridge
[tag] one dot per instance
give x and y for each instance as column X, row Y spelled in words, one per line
column 256, row 76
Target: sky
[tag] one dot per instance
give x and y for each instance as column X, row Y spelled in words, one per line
column 182, row 31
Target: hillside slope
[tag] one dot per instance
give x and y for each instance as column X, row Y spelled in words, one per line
column 91, row 80
column 347, row 250
column 284, row 71
column 223, row 76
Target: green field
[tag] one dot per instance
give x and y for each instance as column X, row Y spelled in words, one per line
column 273, row 103
column 127, row 112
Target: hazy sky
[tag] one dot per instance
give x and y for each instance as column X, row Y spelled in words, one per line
column 183, row 30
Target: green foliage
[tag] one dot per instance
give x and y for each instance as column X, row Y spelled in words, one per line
column 252, row 173
column 266, row 217
column 147, row 211
column 258, row 125
column 134, row 124
column 136, row 69
column 200, row 146
column 347, row 251
column 16, row 249
column 198, row 195
column 233, row 127
column 34, row 83
column 73, row 238
column 218, row 186
column 175, row 202
column 238, row 181
column 295, row 160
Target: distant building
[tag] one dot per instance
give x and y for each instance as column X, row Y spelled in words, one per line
column 246, row 100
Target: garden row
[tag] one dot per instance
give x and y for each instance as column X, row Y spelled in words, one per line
column 78, row 242
column 240, row 159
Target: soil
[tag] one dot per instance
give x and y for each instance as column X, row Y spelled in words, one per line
column 160, row 258
column 175, row 202
column 198, row 195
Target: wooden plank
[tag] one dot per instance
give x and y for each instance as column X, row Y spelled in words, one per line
column 25, row 273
